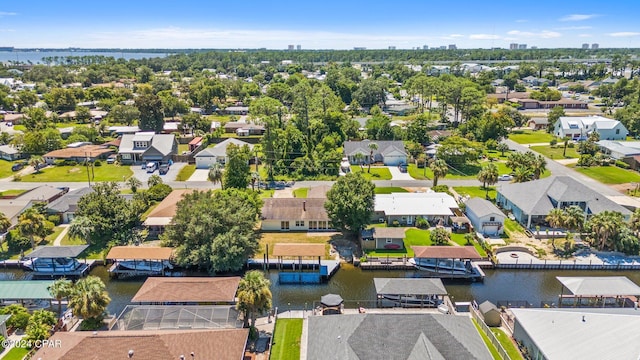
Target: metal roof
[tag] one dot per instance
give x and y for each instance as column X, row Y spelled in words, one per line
column 430, row 203
column 585, row 334
column 139, row 253
column 25, row 290
column 409, row 286
column 599, row 285
column 57, row 251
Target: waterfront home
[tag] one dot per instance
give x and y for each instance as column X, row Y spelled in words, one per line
column 485, row 217
column 530, row 202
column 221, row 344
column 406, row 208
column 394, row 336
column 579, row 128
column 389, row 153
column 382, row 238
column 558, row 334
column 294, row 214
column 12, row 207
column 66, row 206
column 160, row 217
column 217, row 154
column 188, row 290
column 147, row 147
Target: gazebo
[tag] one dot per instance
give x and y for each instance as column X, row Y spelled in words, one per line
column 598, row 291
column 298, row 251
column 331, row 304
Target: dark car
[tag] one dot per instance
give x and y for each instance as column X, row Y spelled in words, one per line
column 164, row 168
column 17, row 166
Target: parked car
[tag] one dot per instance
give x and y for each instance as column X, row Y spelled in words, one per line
column 505, row 177
column 151, row 167
column 164, row 168
column 17, row 166
column 111, row 159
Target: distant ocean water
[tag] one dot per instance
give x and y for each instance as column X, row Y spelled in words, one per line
column 36, row 56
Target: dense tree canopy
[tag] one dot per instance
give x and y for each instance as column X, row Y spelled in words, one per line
column 350, row 203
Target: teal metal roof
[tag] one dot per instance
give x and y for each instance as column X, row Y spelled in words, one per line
column 25, row 290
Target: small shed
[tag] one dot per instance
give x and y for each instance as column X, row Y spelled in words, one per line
column 490, row 313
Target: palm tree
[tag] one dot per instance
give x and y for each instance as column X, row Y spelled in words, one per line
column 359, row 158
column 538, row 166
column 60, row 289
column 154, row 180
column 5, row 224
column 254, row 296
column 574, row 218
column 489, row 176
column 215, row 174
column 556, row 219
column 35, row 162
column 522, row 174
column 89, row 298
column 634, row 222
column 255, row 176
column 31, row 223
column 502, row 147
column 440, row 169
column 372, row 147
column 604, row 226
column 133, row 183
column 81, row 227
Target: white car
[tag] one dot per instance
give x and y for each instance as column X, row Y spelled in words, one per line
column 505, row 177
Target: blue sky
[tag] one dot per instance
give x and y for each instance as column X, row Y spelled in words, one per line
column 325, row 24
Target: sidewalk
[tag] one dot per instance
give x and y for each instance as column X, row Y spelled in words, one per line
column 58, row 240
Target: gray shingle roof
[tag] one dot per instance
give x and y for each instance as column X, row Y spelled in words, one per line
column 534, row 197
column 384, row 147
column 221, row 148
column 482, row 207
column 68, row 201
column 160, row 143
column 57, row 251
column 394, row 336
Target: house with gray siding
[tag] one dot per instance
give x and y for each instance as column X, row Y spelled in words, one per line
column 383, row 238
column 147, row 147
column 389, row 153
column 485, row 217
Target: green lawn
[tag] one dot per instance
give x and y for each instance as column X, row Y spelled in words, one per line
column 512, row 227
column 485, row 338
column 530, row 136
column 106, row 172
column 51, row 237
column 556, row 152
column 419, row 173
column 507, row 344
column 13, row 192
column 16, row 353
column 610, row 174
column 182, row 148
column 476, row 191
column 266, row 193
column 377, row 173
column 413, row 237
column 186, row 172
column 286, row 339
column 92, row 252
column 300, row 192
column 460, row 240
column 389, row 190
column 5, row 169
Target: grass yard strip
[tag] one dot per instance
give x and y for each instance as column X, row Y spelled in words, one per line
column 419, row 173
column 530, row 136
column 376, row 173
column 476, row 191
column 300, row 192
column 389, row 190
column 16, row 353
column 51, row 237
column 286, row 339
column 13, row 192
column 485, row 338
column 556, row 152
column 412, row 237
column 460, row 240
column 94, row 251
column 609, row 174
column 186, row 172
column 106, row 172
column 507, row 344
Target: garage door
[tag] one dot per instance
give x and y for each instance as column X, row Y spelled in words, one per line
column 204, row 162
column 395, row 160
column 490, row 230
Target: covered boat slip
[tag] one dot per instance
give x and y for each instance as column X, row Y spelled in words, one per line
column 30, row 293
column 315, row 270
column 56, row 261
column 598, row 291
column 448, row 262
column 409, row 292
column 139, row 260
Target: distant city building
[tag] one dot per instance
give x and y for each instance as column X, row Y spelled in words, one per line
column 443, row 47
column 585, row 46
column 359, row 48
column 522, row 46
column 595, row 46
column 513, row 46
column 290, row 47
column 298, row 47
column 534, row 47
column 425, row 47
column 392, row 47
column 453, row 47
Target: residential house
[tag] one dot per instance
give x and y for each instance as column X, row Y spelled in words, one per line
column 383, row 238
column 627, row 151
column 237, row 110
column 66, row 206
column 579, row 128
column 217, row 153
column 10, row 153
column 170, row 127
column 406, row 208
column 121, row 130
column 172, row 343
column 294, row 214
column 12, row 207
column 598, row 333
column 538, row 123
column 162, row 215
column 530, row 202
column 485, row 217
column 243, row 128
column 535, row 81
column 147, row 147
column 541, row 104
column 511, row 96
column 79, row 153
column 394, row 336
column 389, row 153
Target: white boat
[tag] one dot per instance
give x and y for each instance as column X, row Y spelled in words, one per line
column 447, row 266
column 52, row 264
column 145, row 265
column 412, row 300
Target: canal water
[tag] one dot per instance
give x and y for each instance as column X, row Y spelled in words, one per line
column 356, row 286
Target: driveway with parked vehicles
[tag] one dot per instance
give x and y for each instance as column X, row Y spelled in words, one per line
column 142, row 174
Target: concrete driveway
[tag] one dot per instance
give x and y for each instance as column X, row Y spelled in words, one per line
column 396, row 174
column 199, row 175
column 142, row 175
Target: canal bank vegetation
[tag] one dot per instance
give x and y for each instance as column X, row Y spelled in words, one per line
column 286, row 339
